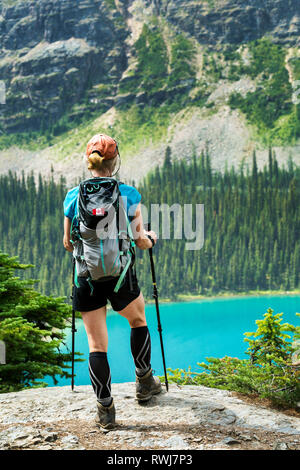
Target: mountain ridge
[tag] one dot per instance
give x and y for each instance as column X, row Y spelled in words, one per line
column 144, row 70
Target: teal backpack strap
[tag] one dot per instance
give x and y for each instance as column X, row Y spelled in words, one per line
column 89, row 281
column 76, row 230
column 76, row 277
column 121, row 278
column 130, row 231
column 71, row 229
column 102, row 256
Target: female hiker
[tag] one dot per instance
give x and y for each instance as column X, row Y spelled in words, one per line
column 90, row 297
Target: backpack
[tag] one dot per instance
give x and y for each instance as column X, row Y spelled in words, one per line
column 104, row 247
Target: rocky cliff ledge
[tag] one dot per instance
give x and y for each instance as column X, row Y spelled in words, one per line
column 187, row 417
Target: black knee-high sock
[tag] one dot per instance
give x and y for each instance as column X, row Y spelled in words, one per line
column 100, row 377
column 141, row 349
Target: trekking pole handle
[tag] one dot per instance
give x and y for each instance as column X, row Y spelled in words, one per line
column 148, row 228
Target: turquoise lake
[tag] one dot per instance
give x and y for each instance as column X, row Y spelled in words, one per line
column 192, row 331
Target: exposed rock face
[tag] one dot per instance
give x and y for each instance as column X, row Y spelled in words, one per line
column 187, row 417
column 52, row 53
column 26, row 23
column 234, row 21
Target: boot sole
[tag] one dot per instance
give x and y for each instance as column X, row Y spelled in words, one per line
column 143, row 398
column 107, row 427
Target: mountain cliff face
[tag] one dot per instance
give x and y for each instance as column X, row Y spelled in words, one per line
column 63, row 61
column 234, row 21
column 52, row 53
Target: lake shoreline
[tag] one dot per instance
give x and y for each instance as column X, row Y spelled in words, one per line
column 192, row 332
column 184, row 298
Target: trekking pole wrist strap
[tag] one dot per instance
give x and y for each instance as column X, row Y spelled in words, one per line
column 151, row 239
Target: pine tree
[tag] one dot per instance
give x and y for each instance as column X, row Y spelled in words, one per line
column 32, row 328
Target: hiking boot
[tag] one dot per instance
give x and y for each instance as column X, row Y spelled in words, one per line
column 147, row 386
column 106, row 416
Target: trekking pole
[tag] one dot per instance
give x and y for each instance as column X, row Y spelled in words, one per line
column 73, row 328
column 155, row 296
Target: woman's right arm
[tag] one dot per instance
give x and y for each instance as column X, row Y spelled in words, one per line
column 141, row 239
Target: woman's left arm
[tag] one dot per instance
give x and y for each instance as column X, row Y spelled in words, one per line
column 67, row 229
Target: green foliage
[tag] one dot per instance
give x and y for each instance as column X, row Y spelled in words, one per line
column 213, row 67
column 182, row 61
column 230, row 53
column 152, row 59
column 142, row 125
column 154, row 70
column 24, row 139
column 285, row 129
column 31, row 326
column 295, row 65
column 272, row 100
column 268, row 374
column 267, row 58
column 211, row 3
column 272, row 341
column 110, row 4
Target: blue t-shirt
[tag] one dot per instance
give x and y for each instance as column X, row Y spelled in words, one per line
column 130, row 195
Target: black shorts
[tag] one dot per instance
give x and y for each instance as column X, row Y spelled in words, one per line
column 103, row 291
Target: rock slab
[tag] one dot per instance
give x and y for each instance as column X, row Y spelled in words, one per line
column 188, row 417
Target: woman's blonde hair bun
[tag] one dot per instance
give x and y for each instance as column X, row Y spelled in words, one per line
column 95, row 161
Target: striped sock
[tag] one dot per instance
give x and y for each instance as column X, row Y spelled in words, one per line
column 140, row 343
column 100, row 377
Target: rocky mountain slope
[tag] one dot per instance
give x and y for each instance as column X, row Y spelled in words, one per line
column 151, row 72
column 186, row 418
